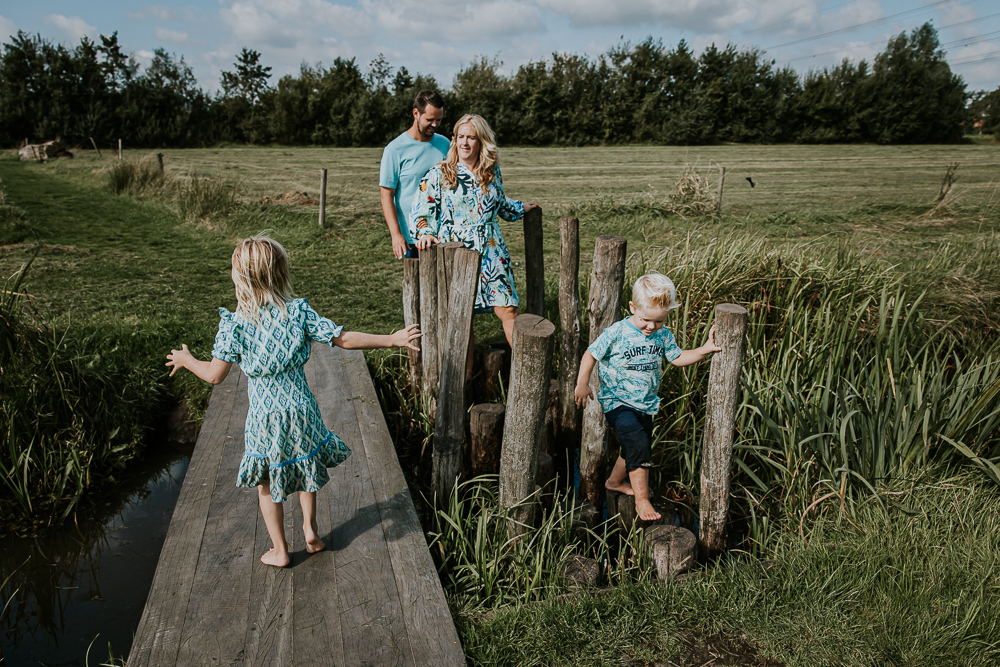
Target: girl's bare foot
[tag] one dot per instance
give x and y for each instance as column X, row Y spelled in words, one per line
column 271, row 558
column 621, row 487
column 315, row 544
column 646, row 511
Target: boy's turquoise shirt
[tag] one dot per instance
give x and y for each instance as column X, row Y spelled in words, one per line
column 629, row 366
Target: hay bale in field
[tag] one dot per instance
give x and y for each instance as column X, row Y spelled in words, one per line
column 46, row 151
column 291, row 198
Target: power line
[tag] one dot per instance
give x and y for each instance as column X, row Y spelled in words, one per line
column 866, row 24
column 975, row 60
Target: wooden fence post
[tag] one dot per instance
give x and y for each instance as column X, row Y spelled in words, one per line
column 119, row 149
column 322, row 198
column 445, row 266
column 568, row 424
column 531, row 368
column 94, row 144
column 603, row 307
column 721, row 401
column 411, row 314
column 428, row 324
column 485, row 437
column 449, row 424
column 534, row 264
column 718, row 196
column 159, row 159
column 496, row 371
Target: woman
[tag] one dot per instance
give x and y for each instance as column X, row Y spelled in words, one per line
column 460, row 199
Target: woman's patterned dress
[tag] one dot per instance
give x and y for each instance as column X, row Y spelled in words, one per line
column 469, row 215
column 286, row 440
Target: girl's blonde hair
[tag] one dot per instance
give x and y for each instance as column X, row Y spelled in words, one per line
column 655, row 290
column 260, row 273
column 489, row 154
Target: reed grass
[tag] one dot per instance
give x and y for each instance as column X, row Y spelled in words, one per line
column 128, row 177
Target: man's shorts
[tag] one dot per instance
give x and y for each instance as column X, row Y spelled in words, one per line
column 635, row 435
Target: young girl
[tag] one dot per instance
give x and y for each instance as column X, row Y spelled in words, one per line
column 288, row 448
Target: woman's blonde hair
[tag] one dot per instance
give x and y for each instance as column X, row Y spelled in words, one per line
column 260, row 273
column 655, row 290
column 489, row 154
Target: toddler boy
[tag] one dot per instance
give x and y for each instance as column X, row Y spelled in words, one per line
column 630, row 353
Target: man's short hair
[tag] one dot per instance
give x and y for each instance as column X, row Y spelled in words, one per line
column 425, row 97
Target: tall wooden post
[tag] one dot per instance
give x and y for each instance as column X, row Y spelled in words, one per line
column 92, row 143
column 428, row 325
column 568, row 424
column 159, row 159
column 119, row 149
column 718, row 196
column 496, row 374
column 449, row 425
column 721, row 401
column 603, row 307
column 531, row 368
column 445, row 262
column 322, row 198
column 534, row 264
column 411, row 314
column 485, row 436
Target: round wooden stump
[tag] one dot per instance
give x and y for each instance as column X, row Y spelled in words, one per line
column 580, row 572
column 672, row 548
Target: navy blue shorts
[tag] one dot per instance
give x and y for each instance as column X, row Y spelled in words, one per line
column 635, row 435
column 411, row 252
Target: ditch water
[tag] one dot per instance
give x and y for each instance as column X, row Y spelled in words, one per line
column 85, row 584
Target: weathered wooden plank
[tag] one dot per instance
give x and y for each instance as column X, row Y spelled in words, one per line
column 268, row 638
column 157, row 637
column 372, row 625
column 217, row 617
column 433, row 638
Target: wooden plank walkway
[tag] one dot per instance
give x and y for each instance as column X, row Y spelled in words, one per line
column 372, row 598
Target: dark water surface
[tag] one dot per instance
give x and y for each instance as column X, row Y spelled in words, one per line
column 88, row 581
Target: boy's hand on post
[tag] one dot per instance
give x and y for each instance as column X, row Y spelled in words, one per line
column 404, row 337
column 710, row 345
column 581, row 394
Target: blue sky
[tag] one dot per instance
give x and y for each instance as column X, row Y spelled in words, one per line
column 441, row 37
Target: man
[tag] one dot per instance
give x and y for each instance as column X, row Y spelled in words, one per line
column 404, row 162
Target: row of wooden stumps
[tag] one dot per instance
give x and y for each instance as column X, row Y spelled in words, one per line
column 438, row 293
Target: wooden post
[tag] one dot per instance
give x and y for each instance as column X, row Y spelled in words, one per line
column 445, row 262
column 411, row 314
column 428, row 325
column 718, row 196
column 496, row 369
column 485, row 436
column 119, row 149
column 449, row 425
column 568, row 425
column 721, row 401
column 322, row 198
column 534, row 264
column 159, row 159
column 531, row 368
column 94, row 144
column 603, row 306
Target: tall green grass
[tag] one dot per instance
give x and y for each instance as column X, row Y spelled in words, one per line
column 133, row 177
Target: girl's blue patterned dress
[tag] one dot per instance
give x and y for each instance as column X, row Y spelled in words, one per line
column 286, row 440
column 469, row 215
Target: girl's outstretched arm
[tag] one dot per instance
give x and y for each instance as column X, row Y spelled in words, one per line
column 356, row 340
column 214, row 371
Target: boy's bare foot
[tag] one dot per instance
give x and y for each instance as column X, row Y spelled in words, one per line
column 646, row 511
column 622, row 487
column 315, row 544
column 271, row 558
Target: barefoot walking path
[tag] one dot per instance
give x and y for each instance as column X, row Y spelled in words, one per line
column 372, row 597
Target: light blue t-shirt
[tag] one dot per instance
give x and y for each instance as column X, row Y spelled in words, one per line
column 404, row 162
column 629, row 364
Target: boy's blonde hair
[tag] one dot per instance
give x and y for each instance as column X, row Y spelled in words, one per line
column 655, row 290
column 260, row 274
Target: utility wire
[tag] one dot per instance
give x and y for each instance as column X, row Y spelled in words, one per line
column 866, row 24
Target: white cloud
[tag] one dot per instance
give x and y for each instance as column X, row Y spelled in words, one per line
column 691, row 14
column 171, row 36
column 7, row 28
column 75, row 28
column 451, row 21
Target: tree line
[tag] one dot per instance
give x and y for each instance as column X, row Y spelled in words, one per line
column 635, row 93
